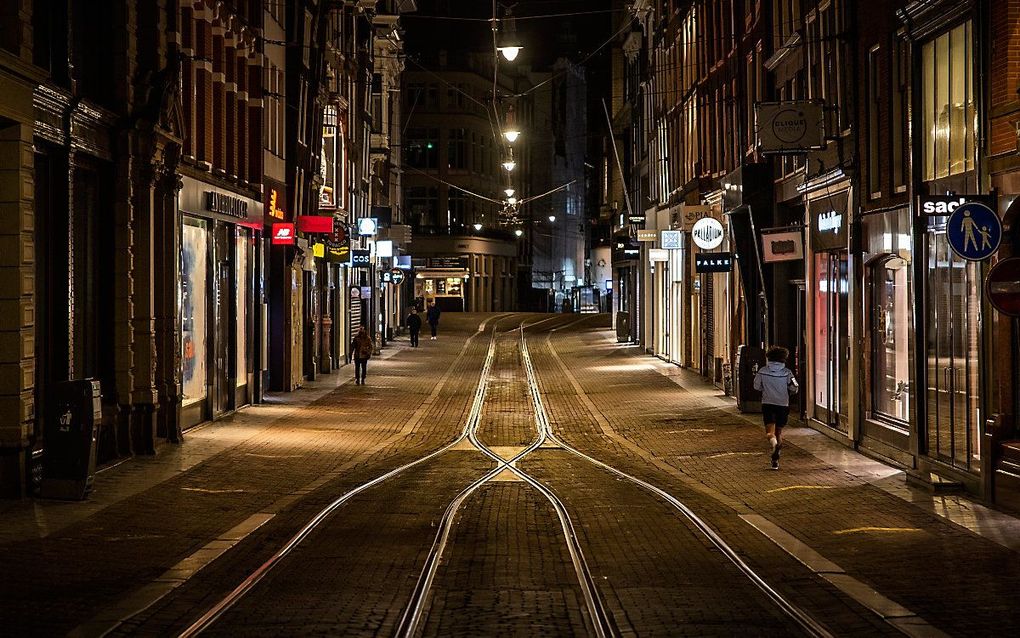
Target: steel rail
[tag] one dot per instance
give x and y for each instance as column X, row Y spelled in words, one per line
column 598, row 616
column 224, row 604
column 798, row 615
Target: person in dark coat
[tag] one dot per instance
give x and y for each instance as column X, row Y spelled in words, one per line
column 414, row 326
column 362, row 347
column 433, row 318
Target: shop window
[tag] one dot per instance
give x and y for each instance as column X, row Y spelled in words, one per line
column 422, row 148
column 891, row 390
column 949, row 116
column 456, row 149
column 194, row 310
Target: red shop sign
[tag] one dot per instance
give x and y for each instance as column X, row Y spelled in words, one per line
column 315, row 223
column 283, row 234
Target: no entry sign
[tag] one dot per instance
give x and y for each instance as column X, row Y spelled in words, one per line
column 1003, row 286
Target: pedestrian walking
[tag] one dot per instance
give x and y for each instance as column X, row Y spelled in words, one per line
column 776, row 383
column 362, row 347
column 414, row 326
column 433, row 318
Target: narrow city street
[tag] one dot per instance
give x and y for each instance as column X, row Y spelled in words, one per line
column 522, row 475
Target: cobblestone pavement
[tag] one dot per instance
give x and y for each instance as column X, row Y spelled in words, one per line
column 165, row 539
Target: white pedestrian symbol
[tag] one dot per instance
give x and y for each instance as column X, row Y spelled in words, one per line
column 986, row 238
column 967, row 226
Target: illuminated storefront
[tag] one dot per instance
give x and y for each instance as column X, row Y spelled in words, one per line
column 219, row 262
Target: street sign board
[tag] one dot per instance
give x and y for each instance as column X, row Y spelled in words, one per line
column 792, row 126
column 974, row 231
column 657, row 254
column 647, row 235
column 691, row 213
column 713, row 262
column 944, row 205
column 1003, row 286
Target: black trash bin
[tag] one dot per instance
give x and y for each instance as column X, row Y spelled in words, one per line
column 69, row 440
column 749, row 359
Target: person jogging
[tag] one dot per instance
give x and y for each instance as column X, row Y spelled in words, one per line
column 433, row 318
column 776, row 383
column 414, row 326
column 362, row 347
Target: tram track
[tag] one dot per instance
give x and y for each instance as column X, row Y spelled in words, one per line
column 797, row 614
column 213, row 614
column 602, row 624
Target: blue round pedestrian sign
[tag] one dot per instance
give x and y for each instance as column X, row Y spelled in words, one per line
column 974, row 231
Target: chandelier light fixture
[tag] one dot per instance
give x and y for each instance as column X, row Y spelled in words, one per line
column 509, row 192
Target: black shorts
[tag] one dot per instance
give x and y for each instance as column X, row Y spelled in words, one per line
column 778, row 414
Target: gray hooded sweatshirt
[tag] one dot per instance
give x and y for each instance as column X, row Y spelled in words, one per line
column 776, row 383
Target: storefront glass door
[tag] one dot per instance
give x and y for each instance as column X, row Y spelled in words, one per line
column 831, row 339
column 194, row 314
column 953, row 300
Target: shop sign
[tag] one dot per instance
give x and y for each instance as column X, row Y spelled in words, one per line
column 315, row 223
column 671, row 239
column 339, row 233
column 974, row 231
column 275, row 203
column 657, row 255
column 318, row 250
column 1003, row 286
column 361, row 259
column 386, row 277
column 338, row 252
column 448, row 262
column 707, row 233
column 713, row 262
column 403, row 262
column 945, row 205
column 397, row 276
column 793, row 126
column 782, row 246
column 638, row 218
column 647, row 235
column 384, row 248
column 366, row 292
column 690, row 214
column 829, row 223
column 216, row 202
column 355, row 292
column 625, row 248
column 283, row 234
column 368, row 226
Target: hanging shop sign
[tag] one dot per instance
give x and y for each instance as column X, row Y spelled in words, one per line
column 366, row 292
column 647, row 235
column 318, row 250
column 945, row 205
column 384, row 248
column 829, row 223
column 794, row 126
column 1003, row 286
column 671, row 239
column 974, row 231
column 315, row 223
column 385, row 277
column 625, row 248
column 707, row 233
column 691, row 213
column 637, row 218
column 397, row 276
column 338, row 252
column 274, row 201
column 368, row 226
column 657, row 255
column 339, row 233
column 403, row 262
column 283, row 234
column 355, row 292
column 361, row 259
column 713, row 262
column 782, row 246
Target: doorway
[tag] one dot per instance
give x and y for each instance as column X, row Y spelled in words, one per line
column 953, row 341
column 831, row 339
